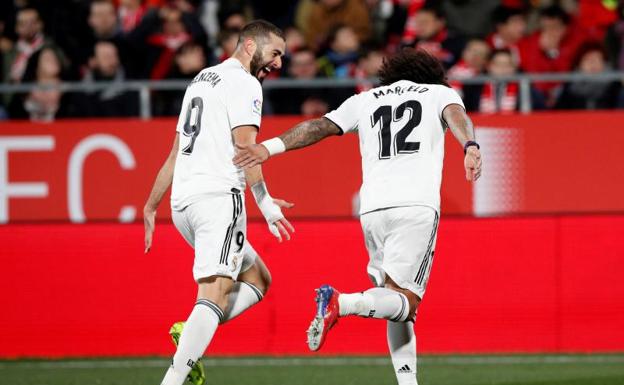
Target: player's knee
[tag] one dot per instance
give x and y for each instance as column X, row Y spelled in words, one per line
column 265, row 282
column 215, row 289
column 414, row 301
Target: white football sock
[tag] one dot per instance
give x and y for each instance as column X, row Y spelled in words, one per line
column 196, row 335
column 402, row 345
column 377, row 302
column 243, row 296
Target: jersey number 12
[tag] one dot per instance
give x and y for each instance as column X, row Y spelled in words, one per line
column 386, row 116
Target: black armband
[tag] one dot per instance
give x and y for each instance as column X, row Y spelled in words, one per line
column 471, row 143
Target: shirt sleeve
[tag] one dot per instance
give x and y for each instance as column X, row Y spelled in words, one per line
column 446, row 97
column 346, row 116
column 244, row 103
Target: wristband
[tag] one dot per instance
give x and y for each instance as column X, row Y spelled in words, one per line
column 274, row 145
column 471, row 143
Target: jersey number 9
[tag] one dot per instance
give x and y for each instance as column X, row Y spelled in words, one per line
column 192, row 124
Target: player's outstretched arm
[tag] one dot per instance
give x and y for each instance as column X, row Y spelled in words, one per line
column 302, row 135
column 461, row 126
column 161, row 185
column 271, row 208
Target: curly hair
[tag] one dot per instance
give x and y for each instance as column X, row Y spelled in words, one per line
column 412, row 64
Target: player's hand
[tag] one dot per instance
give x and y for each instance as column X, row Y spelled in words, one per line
column 472, row 163
column 282, row 227
column 250, row 155
column 149, row 221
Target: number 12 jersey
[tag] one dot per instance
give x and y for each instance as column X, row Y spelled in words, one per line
column 401, row 132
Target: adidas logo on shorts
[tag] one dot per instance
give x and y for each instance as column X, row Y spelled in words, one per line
column 405, row 369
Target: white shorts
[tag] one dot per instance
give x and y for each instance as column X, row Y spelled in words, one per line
column 216, row 227
column 400, row 243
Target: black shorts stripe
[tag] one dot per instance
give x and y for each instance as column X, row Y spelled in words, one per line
column 255, row 290
column 427, row 259
column 230, row 231
column 212, row 306
column 237, row 209
column 425, row 263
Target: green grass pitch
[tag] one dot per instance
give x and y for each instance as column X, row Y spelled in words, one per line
column 432, row 370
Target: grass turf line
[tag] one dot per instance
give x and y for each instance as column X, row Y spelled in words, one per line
column 433, row 370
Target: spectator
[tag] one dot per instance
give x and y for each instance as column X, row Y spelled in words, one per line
column 551, row 48
column 161, row 33
column 30, row 39
column 591, row 59
column 105, row 66
column 46, row 103
column 433, row 36
column 615, row 40
column 103, row 20
column 325, row 15
column 294, row 42
column 499, row 96
column 368, row 66
column 299, row 101
column 228, row 39
column 104, row 26
column 189, row 60
column 509, row 29
column 233, row 20
column 340, row 59
column 410, row 26
column 294, row 39
column 473, row 60
column 130, row 13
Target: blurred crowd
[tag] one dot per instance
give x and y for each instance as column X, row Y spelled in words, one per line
column 48, row 42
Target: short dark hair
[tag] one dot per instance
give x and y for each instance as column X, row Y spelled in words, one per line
column 435, row 9
column 499, row 51
column 413, row 64
column 259, row 28
column 587, row 47
column 556, row 12
column 502, row 14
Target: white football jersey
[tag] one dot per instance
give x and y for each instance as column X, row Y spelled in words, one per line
column 219, row 99
column 401, row 134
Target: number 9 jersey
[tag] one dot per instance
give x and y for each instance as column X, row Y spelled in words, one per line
column 218, row 99
column 401, row 133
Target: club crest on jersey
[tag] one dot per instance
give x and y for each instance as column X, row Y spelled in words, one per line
column 257, row 106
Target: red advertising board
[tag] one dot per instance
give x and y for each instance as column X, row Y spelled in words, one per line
column 96, row 170
column 544, row 282
column 537, row 284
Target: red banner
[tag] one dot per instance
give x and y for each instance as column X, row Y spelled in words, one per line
column 539, row 284
column 96, row 170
